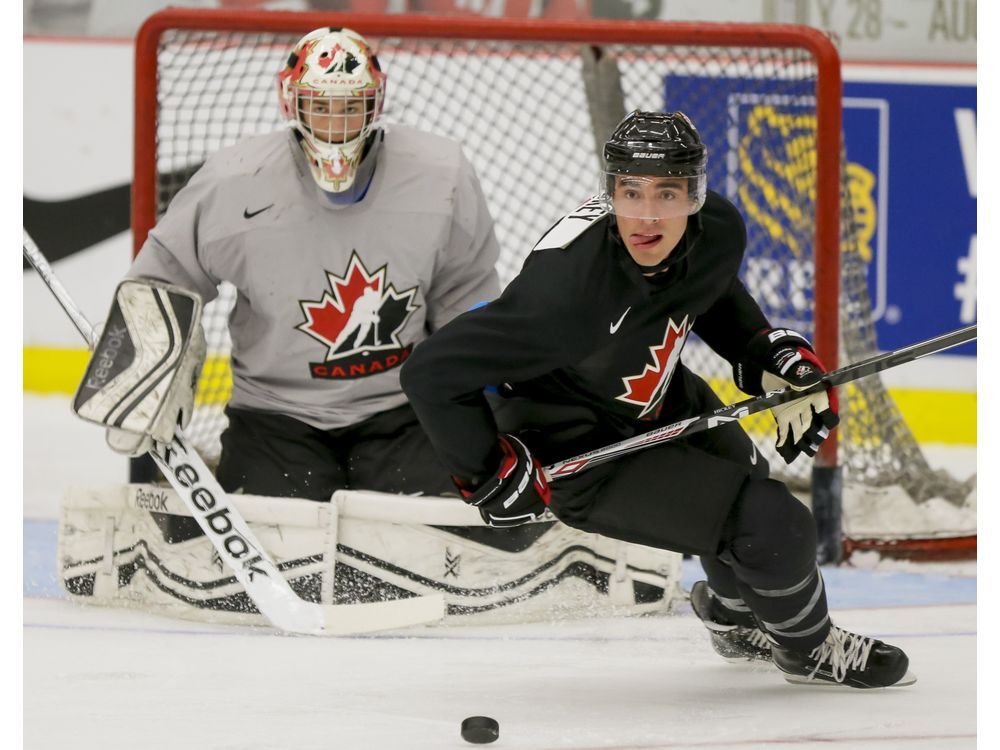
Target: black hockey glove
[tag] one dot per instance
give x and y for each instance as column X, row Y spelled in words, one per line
column 516, row 493
column 777, row 358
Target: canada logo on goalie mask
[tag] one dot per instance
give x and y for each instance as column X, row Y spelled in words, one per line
column 338, row 60
column 358, row 320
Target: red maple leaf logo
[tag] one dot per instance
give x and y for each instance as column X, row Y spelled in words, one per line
column 327, row 56
column 325, row 319
column 647, row 388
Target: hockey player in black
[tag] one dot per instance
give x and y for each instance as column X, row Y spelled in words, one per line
column 584, row 348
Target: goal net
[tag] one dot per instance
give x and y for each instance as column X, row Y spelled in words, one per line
column 532, row 106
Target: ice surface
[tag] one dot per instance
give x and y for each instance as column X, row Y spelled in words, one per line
column 110, row 678
column 101, row 678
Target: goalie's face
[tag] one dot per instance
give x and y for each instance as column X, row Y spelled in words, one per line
column 335, row 119
column 651, row 214
column 331, row 91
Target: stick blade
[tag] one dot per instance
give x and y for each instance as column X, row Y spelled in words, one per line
column 353, row 619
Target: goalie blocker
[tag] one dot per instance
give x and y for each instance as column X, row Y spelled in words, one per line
column 141, row 379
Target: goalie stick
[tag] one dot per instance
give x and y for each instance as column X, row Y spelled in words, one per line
column 735, row 412
column 231, row 536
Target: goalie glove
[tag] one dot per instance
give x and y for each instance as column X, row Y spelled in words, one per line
column 779, row 358
column 141, row 379
column 517, row 493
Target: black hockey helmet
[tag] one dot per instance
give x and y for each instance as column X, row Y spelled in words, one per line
column 657, row 145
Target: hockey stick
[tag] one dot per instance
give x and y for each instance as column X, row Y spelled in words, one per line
column 232, row 538
column 737, row 411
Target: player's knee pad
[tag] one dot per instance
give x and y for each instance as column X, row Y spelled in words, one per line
column 769, row 528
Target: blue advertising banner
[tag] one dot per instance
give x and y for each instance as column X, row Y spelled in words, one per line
column 911, row 172
column 917, row 144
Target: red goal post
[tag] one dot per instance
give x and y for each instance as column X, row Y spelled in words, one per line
column 784, row 170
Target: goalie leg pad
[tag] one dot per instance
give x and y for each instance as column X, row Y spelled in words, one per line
column 137, row 546
column 140, row 381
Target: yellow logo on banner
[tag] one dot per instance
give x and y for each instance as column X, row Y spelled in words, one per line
column 861, row 193
column 777, row 189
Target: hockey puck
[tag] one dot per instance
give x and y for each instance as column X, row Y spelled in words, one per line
column 480, row 729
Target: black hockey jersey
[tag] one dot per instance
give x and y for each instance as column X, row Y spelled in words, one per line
column 581, row 324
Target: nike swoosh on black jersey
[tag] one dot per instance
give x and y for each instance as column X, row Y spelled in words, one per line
column 248, row 214
column 615, row 326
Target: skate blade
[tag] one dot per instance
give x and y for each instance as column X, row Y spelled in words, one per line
column 907, row 679
column 745, row 660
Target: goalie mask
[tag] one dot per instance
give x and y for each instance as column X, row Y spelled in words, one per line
column 654, row 167
column 332, row 91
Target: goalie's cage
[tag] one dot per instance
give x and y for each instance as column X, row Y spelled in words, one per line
column 532, row 104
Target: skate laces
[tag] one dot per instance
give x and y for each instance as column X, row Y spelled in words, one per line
column 758, row 638
column 843, row 651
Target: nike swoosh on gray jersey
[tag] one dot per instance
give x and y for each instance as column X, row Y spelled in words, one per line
column 248, row 214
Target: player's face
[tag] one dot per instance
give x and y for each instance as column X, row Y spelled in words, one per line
column 651, row 214
column 333, row 119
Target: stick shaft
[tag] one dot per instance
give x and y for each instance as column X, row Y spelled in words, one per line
column 41, row 265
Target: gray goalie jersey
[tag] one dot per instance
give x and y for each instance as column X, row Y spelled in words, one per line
column 330, row 300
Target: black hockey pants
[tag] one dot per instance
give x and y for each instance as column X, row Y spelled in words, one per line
column 272, row 454
column 707, row 495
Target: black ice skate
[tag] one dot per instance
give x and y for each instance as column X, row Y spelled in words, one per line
column 847, row 659
column 734, row 636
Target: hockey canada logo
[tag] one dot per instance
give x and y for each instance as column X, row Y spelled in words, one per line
column 338, row 60
column 358, row 320
column 646, row 390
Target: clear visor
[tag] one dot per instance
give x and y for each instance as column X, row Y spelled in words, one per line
column 652, row 197
column 337, row 119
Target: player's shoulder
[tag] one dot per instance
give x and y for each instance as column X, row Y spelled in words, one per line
column 575, row 229
column 572, row 255
column 247, row 156
column 723, row 230
column 405, row 143
column 719, row 211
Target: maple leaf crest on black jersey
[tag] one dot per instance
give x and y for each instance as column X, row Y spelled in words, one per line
column 358, row 321
column 646, row 390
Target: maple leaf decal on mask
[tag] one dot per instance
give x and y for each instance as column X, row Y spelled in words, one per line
column 338, row 60
column 648, row 388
